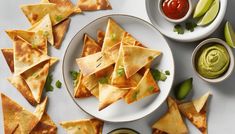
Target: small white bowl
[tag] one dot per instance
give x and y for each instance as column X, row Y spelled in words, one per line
column 230, row 67
column 175, row 20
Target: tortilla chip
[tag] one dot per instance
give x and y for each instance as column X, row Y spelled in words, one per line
column 40, row 109
column 35, row 12
column 146, row 87
column 9, row 109
column 25, row 56
column 44, row 26
column 19, row 83
column 59, row 32
column 93, row 5
column 45, row 126
column 113, row 35
column 35, row 39
column 172, row 121
column 135, row 58
column 85, row 126
column 113, row 52
column 89, row 46
column 94, row 63
column 80, row 91
column 100, row 37
column 36, row 77
column 105, row 93
column 8, row 55
column 198, row 119
column 200, row 102
column 53, row 60
column 130, row 40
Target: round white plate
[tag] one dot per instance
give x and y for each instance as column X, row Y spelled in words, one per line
column 120, row 111
column 166, row 27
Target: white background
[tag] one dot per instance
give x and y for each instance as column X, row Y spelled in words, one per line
column 62, row 108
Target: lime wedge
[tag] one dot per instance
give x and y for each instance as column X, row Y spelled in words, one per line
column 229, row 34
column 210, row 14
column 202, row 7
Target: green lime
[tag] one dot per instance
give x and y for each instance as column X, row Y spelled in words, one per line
column 183, row 89
column 229, row 34
column 202, row 7
column 210, row 14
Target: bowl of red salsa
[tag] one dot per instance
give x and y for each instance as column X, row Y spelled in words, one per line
column 175, row 11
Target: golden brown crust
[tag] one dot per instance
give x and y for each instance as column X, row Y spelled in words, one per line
column 8, row 55
column 100, row 37
column 92, row 5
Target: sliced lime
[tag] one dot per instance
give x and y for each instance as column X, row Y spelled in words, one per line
column 229, row 34
column 202, row 7
column 210, row 14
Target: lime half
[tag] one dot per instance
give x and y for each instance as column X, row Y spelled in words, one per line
column 210, row 14
column 229, row 34
column 202, row 7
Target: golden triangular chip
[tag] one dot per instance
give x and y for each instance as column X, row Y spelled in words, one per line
column 35, row 12
column 109, row 94
column 100, row 37
column 172, row 121
column 135, row 58
column 25, row 56
column 113, row 35
column 59, row 32
column 130, row 40
column 85, row 126
column 200, row 102
column 9, row 109
column 36, row 77
column 44, row 27
column 40, row 109
column 19, row 83
column 8, row 55
column 199, row 119
column 92, row 5
column 80, row 91
column 146, row 87
column 94, row 63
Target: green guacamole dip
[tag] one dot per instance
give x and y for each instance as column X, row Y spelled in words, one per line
column 213, row 61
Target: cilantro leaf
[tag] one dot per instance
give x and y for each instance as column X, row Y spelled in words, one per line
column 58, row 84
column 178, row 28
column 151, row 88
column 103, row 80
column 190, row 26
column 167, row 72
column 74, row 74
column 120, row 72
column 157, row 75
column 48, row 85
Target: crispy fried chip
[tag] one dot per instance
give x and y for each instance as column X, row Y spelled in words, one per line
column 100, row 37
column 59, row 32
column 85, row 126
column 135, row 58
column 44, row 27
column 8, row 55
column 36, row 77
column 40, row 109
column 92, row 5
column 200, row 102
column 80, row 91
column 109, row 94
column 146, row 87
column 172, row 121
column 130, row 40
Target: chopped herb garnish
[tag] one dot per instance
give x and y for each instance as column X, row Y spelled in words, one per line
column 120, row 72
column 190, row 26
column 75, row 82
column 45, row 33
column 134, row 96
column 48, row 85
column 167, row 72
column 58, row 18
column 74, row 74
column 178, row 28
column 151, row 88
column 150, row 57
column 113, row 36
column 58, row 84
column 157, row 75
column 103, row 80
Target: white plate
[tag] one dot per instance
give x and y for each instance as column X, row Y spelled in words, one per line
column 120, row 111
column 166, row 27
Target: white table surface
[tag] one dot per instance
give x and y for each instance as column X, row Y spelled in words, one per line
column 61, row 106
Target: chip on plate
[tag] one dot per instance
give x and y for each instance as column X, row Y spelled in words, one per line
column 100, row 37
column 92, row 5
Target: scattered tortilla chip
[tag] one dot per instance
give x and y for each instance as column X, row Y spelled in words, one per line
column 44, row 27
column 94, row 63
column 59, row 32
column 8, row 55
column 25, row 56
column 113, row 35
column 35, row 12
column 40, row 109
column 146, row 87
column 135, row 58
column 19, row 83
column 37, row 39
column 93, row 5
column 109, row 94
column 172, row 121
column 100, row 37
column 36, row 77
column 85, row 126
column 200, row 102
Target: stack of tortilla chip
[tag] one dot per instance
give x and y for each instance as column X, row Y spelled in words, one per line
column 112, row 68
column 85, row 126
column 19, row 120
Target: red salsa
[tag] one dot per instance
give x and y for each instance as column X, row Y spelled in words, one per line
column 175, row 9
